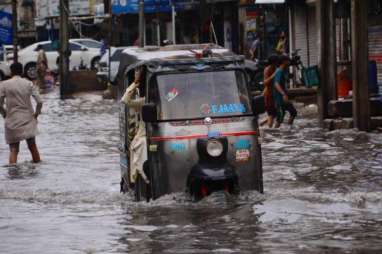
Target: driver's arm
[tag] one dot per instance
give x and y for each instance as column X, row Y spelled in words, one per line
column 128, row 97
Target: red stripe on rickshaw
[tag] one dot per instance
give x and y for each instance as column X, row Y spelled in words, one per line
column 241, row 133
column 223, row 134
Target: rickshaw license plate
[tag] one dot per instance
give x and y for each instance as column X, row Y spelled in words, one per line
column 242, row 155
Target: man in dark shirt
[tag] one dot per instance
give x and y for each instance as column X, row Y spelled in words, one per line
column 280, row 93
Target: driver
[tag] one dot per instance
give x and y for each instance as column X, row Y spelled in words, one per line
column 138, row 146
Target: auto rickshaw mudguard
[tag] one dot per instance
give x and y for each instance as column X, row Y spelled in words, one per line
column 173, row 152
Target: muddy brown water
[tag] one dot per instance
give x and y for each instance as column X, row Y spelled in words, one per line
column 323, row 194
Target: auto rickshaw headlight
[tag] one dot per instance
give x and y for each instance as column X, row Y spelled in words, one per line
column 214, row 148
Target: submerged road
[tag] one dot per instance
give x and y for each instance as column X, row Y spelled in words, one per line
column 323, row 194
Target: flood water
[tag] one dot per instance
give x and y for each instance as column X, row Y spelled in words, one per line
column 323, row 194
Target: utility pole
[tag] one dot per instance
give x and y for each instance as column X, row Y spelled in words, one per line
column 141, row 23
column 173, row 15
column 361, row 102
column 158, row 30
column 327, row 56
column 110, row 37
column 64, row 47
column 14, row 31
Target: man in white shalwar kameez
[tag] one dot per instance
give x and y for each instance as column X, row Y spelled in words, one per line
column 20, row 118
column 138, row 146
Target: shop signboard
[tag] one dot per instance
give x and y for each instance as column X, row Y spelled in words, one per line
column 151, row 6
column 42, row 7
column 5, row 27
column 50, row 8
column 251, row 26
column 54, row 8
column 80, row 7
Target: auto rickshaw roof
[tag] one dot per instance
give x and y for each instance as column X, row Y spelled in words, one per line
column 154, row 56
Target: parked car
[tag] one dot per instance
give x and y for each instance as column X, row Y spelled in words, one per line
column 103, row 68
column 5, row 71
column 81, row 55
column 90, row 43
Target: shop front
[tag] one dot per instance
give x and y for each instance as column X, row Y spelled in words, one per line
column 268, row 21
column 305, row 36
column 204, row 21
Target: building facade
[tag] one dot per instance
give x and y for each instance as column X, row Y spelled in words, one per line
column 195, row 21
column 305, row 34
column 264, row 19
column 26, row 17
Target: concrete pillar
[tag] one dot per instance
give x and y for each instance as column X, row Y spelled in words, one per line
column 361, row 105
column 242, row 28
column 292, row 38
column 327, row 55
column 64, row 48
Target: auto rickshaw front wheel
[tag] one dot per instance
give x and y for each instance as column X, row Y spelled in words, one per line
column 141, row 188
column 124, row 185
column 200, row 189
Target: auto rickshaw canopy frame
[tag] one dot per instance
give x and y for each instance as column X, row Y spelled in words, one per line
column 176, row 57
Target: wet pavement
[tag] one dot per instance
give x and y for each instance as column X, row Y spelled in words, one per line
column 323, row 194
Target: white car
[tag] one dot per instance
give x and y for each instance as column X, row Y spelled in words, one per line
column 90, row 43
column 81, row 55
column 5, row 70
column 103, row 69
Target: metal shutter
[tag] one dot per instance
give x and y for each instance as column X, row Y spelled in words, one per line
column 375, row 48
column 313, row 36
column 300, row 29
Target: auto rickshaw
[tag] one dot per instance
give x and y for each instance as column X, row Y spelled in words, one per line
column 201, row 122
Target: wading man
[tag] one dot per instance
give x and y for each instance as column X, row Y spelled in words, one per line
column 20, row 118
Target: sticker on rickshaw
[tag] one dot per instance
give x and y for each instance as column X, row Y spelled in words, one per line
column 178, row 147
column 219, row 109
column 214, row 134
column 172, row 94
column 205, row 109
column 242, row 155
column 228, row 108
column 242, row 144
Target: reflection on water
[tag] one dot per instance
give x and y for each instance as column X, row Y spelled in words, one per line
column 323, row 194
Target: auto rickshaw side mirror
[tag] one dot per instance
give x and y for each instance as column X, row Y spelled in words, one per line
column 149, row 113
column 258, row 105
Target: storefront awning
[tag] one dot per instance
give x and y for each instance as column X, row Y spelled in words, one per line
column 269, row 1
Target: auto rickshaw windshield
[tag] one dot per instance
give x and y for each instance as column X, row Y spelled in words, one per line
column 194, row 95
